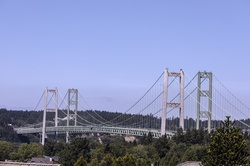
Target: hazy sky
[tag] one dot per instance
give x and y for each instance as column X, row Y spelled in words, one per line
column 112, row 51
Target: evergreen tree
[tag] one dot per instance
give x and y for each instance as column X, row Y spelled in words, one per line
column 108, row 160
column 227, row 147
column 65, row 157
column 194, row 153
column 117, row 149
column 80, row 162
column 80, row 147
column 174, row 160
column 179, row 136
column 129, row 160
column 162, row 146
column 94, row 162
column 187, row 137
column 147, row 139
column 76, row 148
column 118, row 161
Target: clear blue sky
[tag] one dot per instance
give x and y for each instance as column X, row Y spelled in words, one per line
column 112, row 51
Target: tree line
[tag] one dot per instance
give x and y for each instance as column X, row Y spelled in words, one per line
column 227, row 145
column 113, row 150
column 13, row 118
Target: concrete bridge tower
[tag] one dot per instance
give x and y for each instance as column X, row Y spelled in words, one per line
column 47, row 108
column 166, row 104
column 204, row 92
column 72, row 111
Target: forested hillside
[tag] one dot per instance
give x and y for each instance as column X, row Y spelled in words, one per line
column 104, row 149
column 13, row 118
column 114, row 150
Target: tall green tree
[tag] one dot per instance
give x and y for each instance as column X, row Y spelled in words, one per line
column 76, row 148
column 162, row 146
column 227, row 147
column 179, row 136
column 108, row 160
column 94, row 162
column 27, row 151
column 80, row 147
column 129, row 160
column 117, row 149
column 5, row 150
column 80, row 162
column 146, row 139
column 65, row 157
column 194, row 153
column 138, row 152
column 118, row 161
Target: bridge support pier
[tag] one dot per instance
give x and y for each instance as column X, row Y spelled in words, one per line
column 201, row 93
column 166, row 104
column 47, row 108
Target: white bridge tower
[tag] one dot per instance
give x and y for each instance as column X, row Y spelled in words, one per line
column 72, row 113
column 166, row 104
column 54, row 98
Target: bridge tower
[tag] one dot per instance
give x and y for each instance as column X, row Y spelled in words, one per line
column 204, row 93
column 47, row 108
column 72, row 113
column 166, row 104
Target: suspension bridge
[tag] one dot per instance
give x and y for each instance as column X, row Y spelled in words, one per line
column 173, row 94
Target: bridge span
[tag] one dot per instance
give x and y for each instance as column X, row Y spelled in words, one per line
column 206, row 100
column 95, row 129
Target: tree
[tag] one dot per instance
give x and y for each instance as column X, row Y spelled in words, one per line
column 174, row 160
column 194, row 153
column 80, row 147
column 94, row 162
column 162, row 146
column 97, row 153
column 151, row 153
column 174, row 154
column 179, row 136
column 146, row 139
column 108, row 160
column 65, row 157
column 27, row 151
column 170, row 159
column 49, row 147
column 138, row 152
column 129, row 160
column 52, row 147
column 75, row 149
column 117, row 149
column 5, row 150
column 118, row 161
column 187, row 137
column 227, row 146
column 150, row 138
column 80, row 162
column 145, row 155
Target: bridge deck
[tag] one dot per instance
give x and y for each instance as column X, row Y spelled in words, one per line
column 94, row 129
